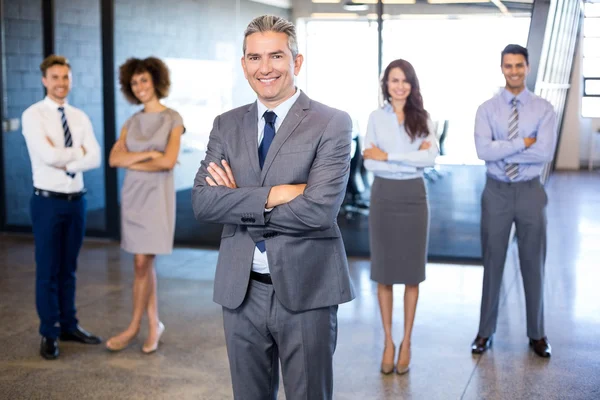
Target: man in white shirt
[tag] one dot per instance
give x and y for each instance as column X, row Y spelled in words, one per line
column 61, row 145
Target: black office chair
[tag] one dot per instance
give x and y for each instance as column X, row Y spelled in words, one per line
column 441, row 130
column 355, row 201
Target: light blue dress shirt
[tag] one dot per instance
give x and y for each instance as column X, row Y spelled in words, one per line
column 260, row 263
column 405, row 160
column 537, row 119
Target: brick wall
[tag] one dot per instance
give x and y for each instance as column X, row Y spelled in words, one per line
column 23, row 54
column 78, row 37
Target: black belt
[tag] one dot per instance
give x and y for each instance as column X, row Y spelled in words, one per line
column 262, row 278
column 57, row 195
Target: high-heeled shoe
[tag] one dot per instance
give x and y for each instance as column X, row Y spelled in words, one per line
column 115, row 344
column 151, row 348
column 402, row 366
column 388, row 368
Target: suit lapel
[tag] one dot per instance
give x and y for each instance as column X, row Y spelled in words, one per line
column 250, row 131
column 290, row 123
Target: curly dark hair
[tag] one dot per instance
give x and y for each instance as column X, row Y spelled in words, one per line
column 415, row 116
column 157, row 69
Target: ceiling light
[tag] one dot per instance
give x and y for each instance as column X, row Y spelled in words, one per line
column 352, row 6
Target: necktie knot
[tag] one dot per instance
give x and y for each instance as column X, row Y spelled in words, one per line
column 61, row 109
column 514, row 102
column 270, row 117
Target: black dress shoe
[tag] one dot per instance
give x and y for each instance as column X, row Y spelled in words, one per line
column 481, row 344
column 541, row 347
column 80, row 335
column 49, row 348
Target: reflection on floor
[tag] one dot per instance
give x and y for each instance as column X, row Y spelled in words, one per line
column 192, row 363
column 455, row 206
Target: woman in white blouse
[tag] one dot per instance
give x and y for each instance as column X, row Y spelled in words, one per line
column 400, row 142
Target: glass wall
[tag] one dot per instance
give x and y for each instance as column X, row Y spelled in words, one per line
column 336, row 72
column 457, row 70
column 590, row 105
column 202, row 45
column 455, row 49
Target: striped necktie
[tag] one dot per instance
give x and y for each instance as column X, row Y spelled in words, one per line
column 512, row 170
column 68, row 138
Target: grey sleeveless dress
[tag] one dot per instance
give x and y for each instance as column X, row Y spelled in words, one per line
column 148, row 198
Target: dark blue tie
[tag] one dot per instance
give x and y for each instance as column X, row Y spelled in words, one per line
column 263, row 150
column 68, row 138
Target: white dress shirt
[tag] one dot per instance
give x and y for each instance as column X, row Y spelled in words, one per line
column 42, row 121
column 260, row 263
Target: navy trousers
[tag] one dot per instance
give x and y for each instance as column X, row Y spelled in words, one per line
column 58, row 229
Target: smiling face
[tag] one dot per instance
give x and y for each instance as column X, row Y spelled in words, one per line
column 270, row 67
column 142, row 87
column 397, row 85
column 57, row 82
column 515, row 70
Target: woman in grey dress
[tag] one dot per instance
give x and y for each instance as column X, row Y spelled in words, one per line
column 399, row 143
column 148, row 148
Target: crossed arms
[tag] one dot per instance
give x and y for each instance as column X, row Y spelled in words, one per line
column 377, row 160
column 296, row 208
column 70, row 159
column 539, row 149
column 149, row 161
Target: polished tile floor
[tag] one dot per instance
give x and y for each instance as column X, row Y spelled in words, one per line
column 192, row 363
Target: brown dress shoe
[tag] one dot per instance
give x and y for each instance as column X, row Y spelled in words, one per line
column 541, row 347
column 481, row 344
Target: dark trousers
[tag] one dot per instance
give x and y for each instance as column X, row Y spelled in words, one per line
column 58, row 229
column 523, row 203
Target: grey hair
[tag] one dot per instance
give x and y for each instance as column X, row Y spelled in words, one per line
column 272, row 23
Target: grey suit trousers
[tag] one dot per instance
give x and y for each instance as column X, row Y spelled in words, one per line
column 523, row 203
column 261, row 332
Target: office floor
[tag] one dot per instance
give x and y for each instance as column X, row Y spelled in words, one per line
column 192, row 364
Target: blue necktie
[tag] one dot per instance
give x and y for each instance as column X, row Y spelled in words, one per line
column 68, row 138
column 263, row 150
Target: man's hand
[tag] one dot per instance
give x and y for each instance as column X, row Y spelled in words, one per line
column 282, row 194
column 219, row 176
column 375, row 153
column 278, row 195
column 425, row 145
column 529, row 141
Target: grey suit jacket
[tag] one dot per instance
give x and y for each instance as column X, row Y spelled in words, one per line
column 306, row 254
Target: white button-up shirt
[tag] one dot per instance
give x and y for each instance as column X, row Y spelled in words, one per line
column 49, row 163
column 260, row 263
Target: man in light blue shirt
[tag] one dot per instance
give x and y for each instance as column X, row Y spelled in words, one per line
column 515, row 134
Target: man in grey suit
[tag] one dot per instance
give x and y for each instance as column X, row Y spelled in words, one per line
column 515, row 133
column 275, row 174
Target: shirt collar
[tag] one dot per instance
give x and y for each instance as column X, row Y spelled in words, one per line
column 281, row 110
column 388, row 107
column 54, row 105
column 522, row 97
